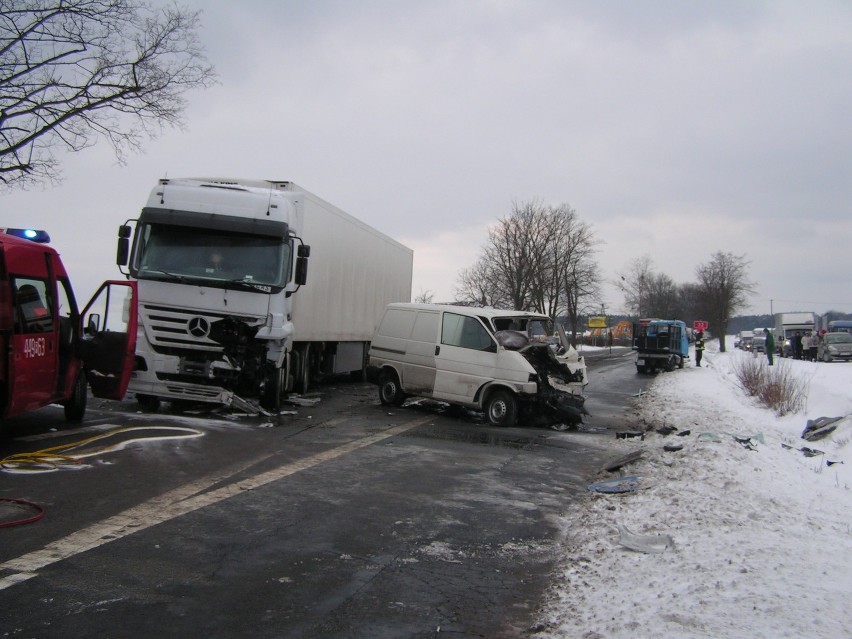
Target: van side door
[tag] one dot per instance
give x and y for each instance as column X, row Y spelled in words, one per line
column 465, row 359
column 418, row 371
column 108, row 342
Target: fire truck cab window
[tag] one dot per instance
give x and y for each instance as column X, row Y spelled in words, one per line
column 33, row 307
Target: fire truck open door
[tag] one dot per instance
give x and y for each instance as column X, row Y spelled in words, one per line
column 108, row 342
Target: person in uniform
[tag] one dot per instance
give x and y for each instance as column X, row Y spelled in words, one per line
column 699, row 347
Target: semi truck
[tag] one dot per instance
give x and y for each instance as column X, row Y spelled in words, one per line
column 787, row 324
column 49, row 357
column 227, row 312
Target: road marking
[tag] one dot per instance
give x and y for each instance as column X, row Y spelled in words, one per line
column 181, row 501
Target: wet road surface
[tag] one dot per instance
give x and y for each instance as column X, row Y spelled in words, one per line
column 345, row 519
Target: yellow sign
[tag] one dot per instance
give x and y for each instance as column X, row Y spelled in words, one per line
column 597, row 322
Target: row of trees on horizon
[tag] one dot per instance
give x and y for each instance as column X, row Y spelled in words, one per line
column 541, row 258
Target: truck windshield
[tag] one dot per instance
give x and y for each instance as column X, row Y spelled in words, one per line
column 183, row 253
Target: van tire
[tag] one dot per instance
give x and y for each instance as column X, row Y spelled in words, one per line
column 75, row 406
column 390, row 391
column 501, row 408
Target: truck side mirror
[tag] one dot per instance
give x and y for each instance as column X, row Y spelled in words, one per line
column 93, row 324
column 123, row 250
column 304, row 252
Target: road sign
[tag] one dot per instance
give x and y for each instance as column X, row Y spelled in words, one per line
column 700, row 325
column 597, row 322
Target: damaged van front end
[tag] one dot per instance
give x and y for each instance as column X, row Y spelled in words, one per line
column 561, row 376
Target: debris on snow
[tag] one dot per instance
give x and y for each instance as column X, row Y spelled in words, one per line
column 644, row 543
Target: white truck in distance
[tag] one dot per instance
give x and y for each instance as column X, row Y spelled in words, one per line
column 226, row 310
column 786, row 324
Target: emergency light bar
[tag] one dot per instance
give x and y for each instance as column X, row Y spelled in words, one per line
column 34, row 235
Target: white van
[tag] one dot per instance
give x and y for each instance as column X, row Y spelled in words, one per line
column 505, row 363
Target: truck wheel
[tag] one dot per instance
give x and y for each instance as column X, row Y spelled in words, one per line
column 275, row 389
column 390, row 390
column 148, row 403
column 75, row 406
column 502, row 408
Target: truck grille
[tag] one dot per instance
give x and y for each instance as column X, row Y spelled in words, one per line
column 173, row 329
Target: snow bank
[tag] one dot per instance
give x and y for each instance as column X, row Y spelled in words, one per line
column 762, row 533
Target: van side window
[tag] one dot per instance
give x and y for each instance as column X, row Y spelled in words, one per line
column 425, row 327
column 33, row 302
column 397, row 323
column 465, row 332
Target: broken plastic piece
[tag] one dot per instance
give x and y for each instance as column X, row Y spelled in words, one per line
column 672, row 448
column 622, row 461
column 709, row 437
column 644, row 543
column 626, row 484
column 248, row 406
column 820, row 427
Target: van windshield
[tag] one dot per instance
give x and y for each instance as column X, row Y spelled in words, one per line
column 178, row 252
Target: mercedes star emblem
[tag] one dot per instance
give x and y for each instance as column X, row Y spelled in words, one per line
column 198, row 327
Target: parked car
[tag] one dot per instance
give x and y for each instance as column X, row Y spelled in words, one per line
column 758, row 345
column 835, row 346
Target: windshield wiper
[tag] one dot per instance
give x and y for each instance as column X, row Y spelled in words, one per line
column 174, row 276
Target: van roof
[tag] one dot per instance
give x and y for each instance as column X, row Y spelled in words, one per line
column 467, row 310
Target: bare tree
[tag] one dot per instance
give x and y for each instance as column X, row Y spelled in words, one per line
column 723, row 286
column 538, row 258
column 574, row 267
column 479, row 285
column 72, row 71
column 634, row 284
column 424, row 297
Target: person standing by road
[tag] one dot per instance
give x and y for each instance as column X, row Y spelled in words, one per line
column 699, row 347
column 813, row 346
column 770, row 345
column 796, row 344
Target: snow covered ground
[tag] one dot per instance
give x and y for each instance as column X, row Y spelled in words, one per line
column 762, row 539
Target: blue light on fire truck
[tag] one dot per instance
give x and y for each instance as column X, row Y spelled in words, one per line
column 35, row 235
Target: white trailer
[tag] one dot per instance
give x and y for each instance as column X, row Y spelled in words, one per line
column 228, row 308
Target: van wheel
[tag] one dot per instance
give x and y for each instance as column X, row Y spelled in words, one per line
column 502, row 408
column 75, row 406
column 390, row 392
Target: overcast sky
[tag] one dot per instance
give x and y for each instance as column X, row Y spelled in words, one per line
column 675, row 129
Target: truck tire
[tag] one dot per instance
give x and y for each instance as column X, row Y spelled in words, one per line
column 273, row 393
column 501, row 408
column 75, row 406
column 148, row 403
column 390, row 390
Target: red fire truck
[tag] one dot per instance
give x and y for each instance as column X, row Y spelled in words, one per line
column 48, row 356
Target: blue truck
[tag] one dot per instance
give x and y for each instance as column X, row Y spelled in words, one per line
column 660, row 345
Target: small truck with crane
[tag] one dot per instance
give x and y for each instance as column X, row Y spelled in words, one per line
column 660, row 345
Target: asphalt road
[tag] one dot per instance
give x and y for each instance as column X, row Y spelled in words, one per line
column 344, row 519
